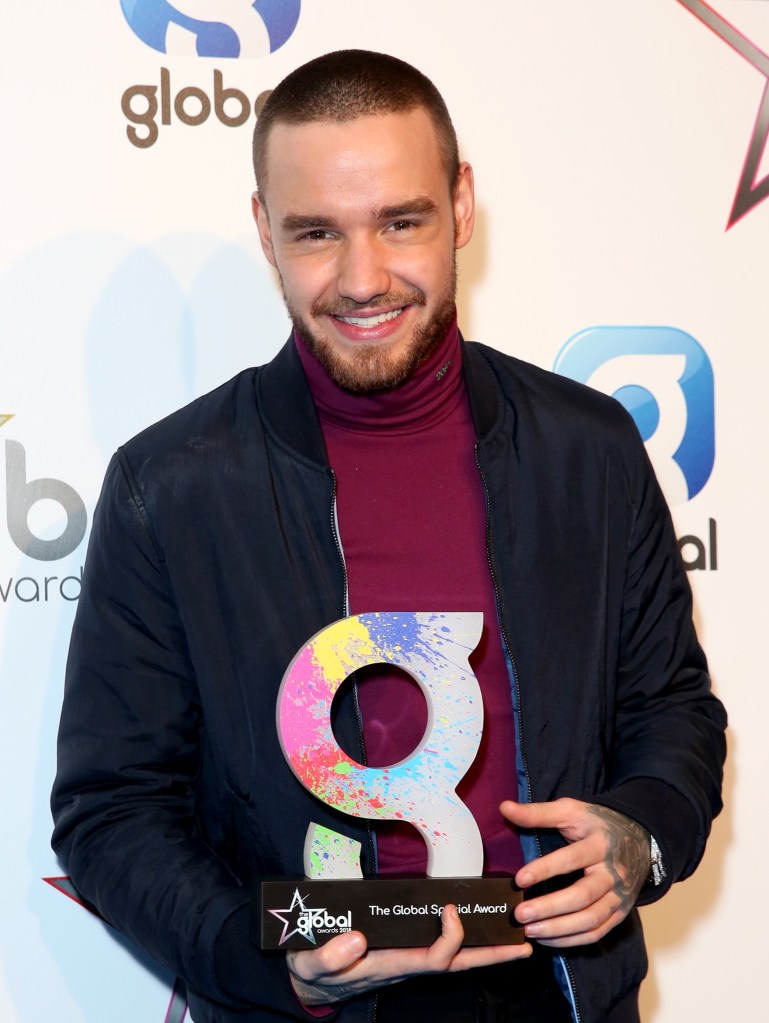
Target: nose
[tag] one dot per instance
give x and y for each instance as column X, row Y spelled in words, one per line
column 362, row 273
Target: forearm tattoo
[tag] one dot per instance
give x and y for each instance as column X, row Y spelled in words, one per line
column 628, row 856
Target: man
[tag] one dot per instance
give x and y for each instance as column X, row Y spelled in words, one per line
column 379, row 463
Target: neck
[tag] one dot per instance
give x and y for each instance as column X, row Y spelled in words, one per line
column 425, row 397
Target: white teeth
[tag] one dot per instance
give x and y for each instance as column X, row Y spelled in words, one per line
column 370, row 321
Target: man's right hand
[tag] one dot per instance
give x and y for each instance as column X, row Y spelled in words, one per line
column 342, row 968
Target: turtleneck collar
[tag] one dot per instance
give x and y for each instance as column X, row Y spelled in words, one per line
column 425, row 398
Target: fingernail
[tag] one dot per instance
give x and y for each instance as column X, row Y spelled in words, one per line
column 525, row 915
column 532, row 930
column 354, row 944
column 525, row 879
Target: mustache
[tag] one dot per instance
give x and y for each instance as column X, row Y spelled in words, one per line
column 348, row 307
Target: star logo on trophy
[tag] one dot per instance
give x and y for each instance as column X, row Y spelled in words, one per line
column 298, row 915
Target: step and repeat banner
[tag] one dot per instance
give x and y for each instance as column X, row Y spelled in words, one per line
column 619, row 152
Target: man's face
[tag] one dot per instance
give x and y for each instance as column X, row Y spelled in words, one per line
column 362, row 227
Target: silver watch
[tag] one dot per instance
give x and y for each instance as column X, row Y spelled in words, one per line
column 657, row 872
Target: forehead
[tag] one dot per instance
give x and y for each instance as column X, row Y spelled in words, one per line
column 368, row 160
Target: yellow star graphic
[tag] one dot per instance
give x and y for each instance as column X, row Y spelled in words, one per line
column 5, row 416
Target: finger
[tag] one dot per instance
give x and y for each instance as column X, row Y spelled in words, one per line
column 339, row 953
column 582, row 928
column 561, row 814
column 578, row 896
column 577, row 940
column 446, row 952
column 489, row 955
column 580, row 855
column 340, row 963
column 446, row 946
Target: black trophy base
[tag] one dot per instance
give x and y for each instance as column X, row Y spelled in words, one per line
column 393, row 912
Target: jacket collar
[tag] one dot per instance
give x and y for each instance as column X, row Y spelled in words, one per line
column 483, row 389
column 284, row 396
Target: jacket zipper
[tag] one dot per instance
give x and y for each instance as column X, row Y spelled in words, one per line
column 498, row 601
column 338, row 543
column 373, row 1010
column 517, row 684
column 358, row 716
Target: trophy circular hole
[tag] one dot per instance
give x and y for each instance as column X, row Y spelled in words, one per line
column 393, row 709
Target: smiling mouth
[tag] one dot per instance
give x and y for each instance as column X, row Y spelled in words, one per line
column 370, row 321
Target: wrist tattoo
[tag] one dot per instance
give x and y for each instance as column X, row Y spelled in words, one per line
column 628, row 855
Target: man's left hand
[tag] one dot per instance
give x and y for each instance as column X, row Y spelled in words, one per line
column 612, row 851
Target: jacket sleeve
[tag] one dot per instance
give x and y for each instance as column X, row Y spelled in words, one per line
column 669, row 745
column 124, row 797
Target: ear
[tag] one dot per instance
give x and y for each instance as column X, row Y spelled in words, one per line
column 464, row 205
column 259, row 211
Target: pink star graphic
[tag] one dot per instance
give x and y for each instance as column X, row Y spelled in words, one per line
column 177, row 1007
column 750, row 192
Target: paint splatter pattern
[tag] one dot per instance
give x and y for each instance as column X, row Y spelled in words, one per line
column 433, row 648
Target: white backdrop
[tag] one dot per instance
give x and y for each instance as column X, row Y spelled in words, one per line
column 608, row 139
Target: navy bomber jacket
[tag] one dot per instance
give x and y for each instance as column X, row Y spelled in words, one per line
column 213, row 559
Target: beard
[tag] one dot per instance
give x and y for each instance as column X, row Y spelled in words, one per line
column 376, row 367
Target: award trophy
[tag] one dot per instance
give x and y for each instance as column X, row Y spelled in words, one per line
column 391, row 910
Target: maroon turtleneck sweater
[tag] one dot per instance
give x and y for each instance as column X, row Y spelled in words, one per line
column 412, row 523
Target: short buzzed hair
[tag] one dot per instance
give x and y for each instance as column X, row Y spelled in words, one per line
column 346, row 84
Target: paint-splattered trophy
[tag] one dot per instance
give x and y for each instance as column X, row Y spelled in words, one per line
column 392, row 911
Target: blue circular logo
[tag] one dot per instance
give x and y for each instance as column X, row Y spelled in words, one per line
column 664, row 378
column 212, row 28
column 642, row 406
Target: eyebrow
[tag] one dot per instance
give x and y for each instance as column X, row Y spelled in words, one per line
column 303, row 222
column 419, row 206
